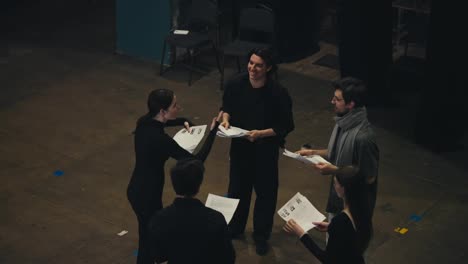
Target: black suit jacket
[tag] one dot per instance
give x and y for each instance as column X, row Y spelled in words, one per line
column 189, row 232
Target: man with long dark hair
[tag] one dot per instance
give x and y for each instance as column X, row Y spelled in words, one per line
column 257, row 102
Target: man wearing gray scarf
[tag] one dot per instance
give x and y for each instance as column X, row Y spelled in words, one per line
column 352, row 142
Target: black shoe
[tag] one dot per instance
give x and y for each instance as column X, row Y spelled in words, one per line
column 261, row 247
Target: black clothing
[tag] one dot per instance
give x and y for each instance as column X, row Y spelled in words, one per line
column 341, row 246
column 259, row 108
column 255, row 164
column 152, row 148
column 189, row 232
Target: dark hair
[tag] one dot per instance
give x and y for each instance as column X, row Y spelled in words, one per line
column 357, row 198
column 158, row 99
column 354, row 90
column 267, row 56
column 187, row 176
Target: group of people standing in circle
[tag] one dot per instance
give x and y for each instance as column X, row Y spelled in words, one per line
column 257, row 102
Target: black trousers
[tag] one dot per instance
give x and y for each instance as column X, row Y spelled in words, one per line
column 254, row 166
column 144, row 211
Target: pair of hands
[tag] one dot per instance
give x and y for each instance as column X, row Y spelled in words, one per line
column 291, row 227
column 251, row 136
column 215, row 120
column 323, row 168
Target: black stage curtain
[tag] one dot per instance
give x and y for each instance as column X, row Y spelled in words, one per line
column 365, row 42
column 441, row 121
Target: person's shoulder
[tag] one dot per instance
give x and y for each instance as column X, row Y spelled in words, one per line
column 215, row 216
column 284, row 91
column 146, row 135
column 212, row 212
column 366, row 133
column 149, row 127
column 238, row 79
column 279, row 88
column 160, row 219
column 340, row 218
column 164, row 213
column 340, row 222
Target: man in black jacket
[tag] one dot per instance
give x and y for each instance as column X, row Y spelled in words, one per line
column 257, row 102
column 187, row 231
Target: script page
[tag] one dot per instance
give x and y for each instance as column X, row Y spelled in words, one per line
column 231, row 131
column 224, row 205
column 190, row 141
column 312, row 159
column 302, row 211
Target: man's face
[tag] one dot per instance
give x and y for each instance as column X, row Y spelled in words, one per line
column 341, row 108
column 257, row 68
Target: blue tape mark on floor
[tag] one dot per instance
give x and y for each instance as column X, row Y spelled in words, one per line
column 415, row 218
column 135, row 253
column 58, row 173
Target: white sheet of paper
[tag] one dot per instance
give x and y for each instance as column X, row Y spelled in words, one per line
column 314, row 159
column 302, row 211
column 123, row 232
column 226, row 206
column 190, row 141
column 231, row 132
column 181, row 32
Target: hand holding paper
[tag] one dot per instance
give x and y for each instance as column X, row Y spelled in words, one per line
column 321, row 226
column 231, row 132
column 189, row 140
column 187, row 126
column 313, row 159
column 292, row 227
column 302, row 211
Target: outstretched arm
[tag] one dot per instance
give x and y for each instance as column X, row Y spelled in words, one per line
column 309, row 152
column 206, row 148
column 180, row 121
column 293, row 228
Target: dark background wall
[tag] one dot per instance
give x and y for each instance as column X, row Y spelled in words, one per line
column 364, row 46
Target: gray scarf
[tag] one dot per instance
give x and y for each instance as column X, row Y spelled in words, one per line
column 350, row 125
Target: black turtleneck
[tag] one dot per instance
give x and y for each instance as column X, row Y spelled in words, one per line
column 152, row 148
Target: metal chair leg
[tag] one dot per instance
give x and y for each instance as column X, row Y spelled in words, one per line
column 163, row 55
column 189, row 51
column 222, row 72
column 217, row 57
column 406, row 48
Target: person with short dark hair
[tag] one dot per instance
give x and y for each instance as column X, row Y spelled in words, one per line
column 152, row 149
column 255, row 101
column 187, row 231
column 350, row 230
column 187, row 177
column 352, row 142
